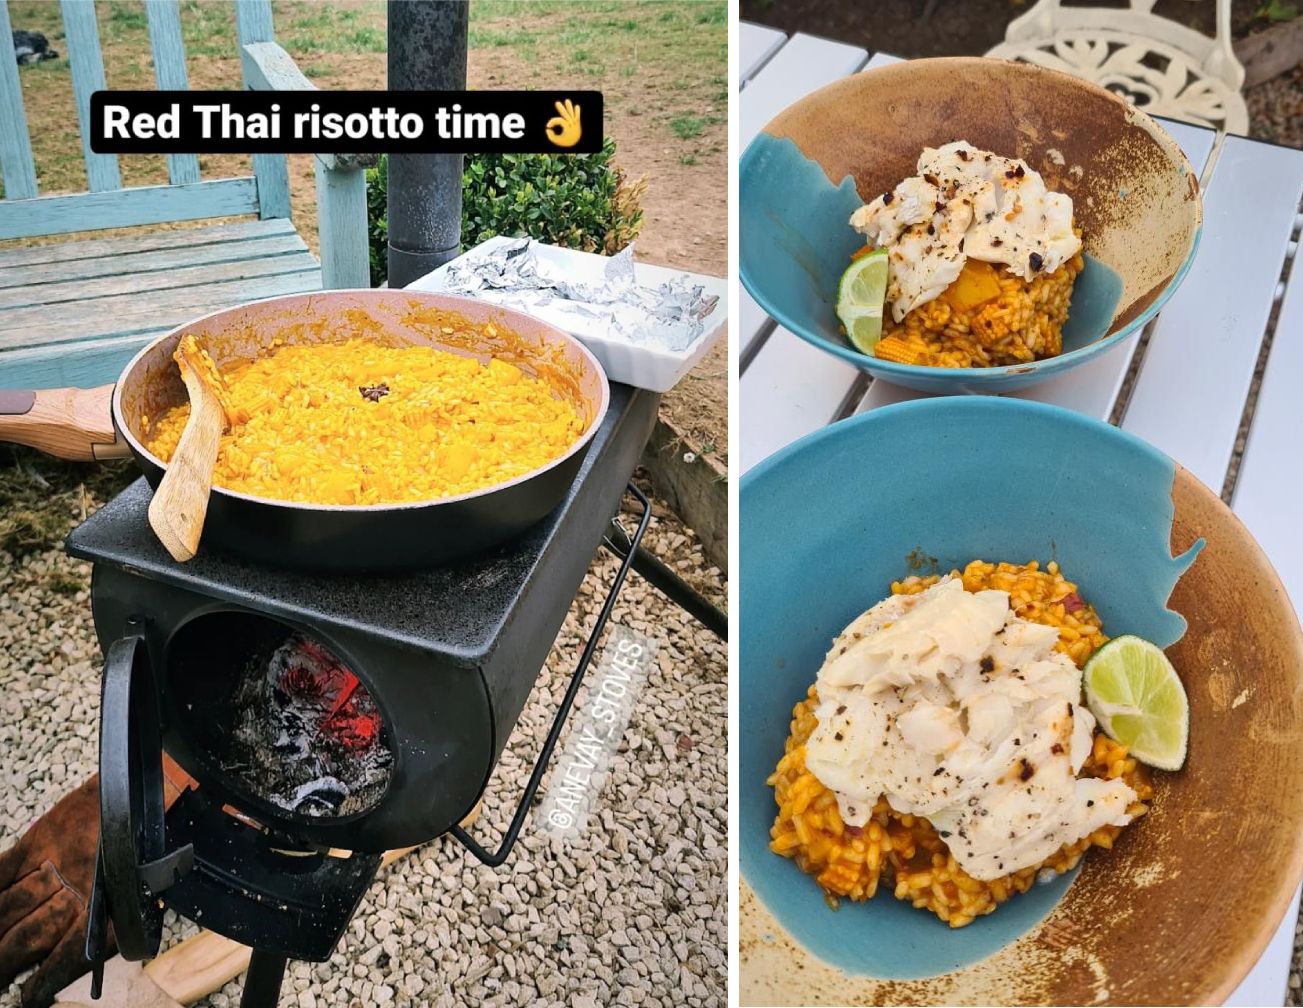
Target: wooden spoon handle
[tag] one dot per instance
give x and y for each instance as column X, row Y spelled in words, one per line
column 180, row 504
column 68, row 423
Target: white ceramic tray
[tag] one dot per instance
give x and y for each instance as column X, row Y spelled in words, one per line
column 648, row 367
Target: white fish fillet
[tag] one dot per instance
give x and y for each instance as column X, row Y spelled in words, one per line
column 957, row 710
column 965, row 202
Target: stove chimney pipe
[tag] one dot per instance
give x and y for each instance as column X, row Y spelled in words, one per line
column 427, row 52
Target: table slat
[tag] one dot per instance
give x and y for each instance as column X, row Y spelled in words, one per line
column 752, row 320
column 803, row 65
column 756, row 43
column 881, row 59
column 1270, row 483
column 1197, row 370
column 1093, row 387
column 790, row 389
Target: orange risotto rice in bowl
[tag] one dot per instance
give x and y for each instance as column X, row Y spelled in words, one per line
column 1023, row 322
column 904, row 853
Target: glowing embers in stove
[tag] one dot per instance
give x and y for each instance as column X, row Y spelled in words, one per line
column 276, row 715
column 307, row 733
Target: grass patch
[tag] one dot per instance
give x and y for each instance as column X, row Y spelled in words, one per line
column 686, row 127
column 41, row 498
column 490, row 38
column 626, row 48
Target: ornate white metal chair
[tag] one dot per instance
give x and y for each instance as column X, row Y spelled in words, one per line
column 1160, row 65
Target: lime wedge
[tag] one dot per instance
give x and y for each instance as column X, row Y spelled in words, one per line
column 1137, row 698
column 860, row 295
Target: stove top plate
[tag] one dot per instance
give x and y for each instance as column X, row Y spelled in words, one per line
column 459, row 611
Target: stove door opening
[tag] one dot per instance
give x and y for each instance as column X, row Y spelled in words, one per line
column 278, row 715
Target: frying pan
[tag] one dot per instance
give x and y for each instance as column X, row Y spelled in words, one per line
column 107, row 422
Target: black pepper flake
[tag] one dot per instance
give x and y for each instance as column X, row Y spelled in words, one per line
column 988, row 664
column 1056, row 748
column 938, row 771
column 838, row 736
column 887, row 197
column 961, row 154
column 932, row 180
column 1027, row 770
column 996, row 242
column 1015, row 172
column 1090, row 803
column 961, row 244
column 1036, row 261
column 841, row 709
column 373, row 393
column 943, row 833
column 931, row 230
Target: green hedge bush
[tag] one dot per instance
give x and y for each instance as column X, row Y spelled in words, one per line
column 579, row 201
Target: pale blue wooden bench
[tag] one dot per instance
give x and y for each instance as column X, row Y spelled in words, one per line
column 72, row 313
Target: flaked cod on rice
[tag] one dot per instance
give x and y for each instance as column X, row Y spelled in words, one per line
column 945, row 747
column 981, row 258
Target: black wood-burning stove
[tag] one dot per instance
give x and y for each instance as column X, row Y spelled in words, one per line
column 317, row 712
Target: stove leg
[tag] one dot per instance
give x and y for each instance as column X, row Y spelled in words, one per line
column 669, row 583
column 262, row 980
column 680, row 592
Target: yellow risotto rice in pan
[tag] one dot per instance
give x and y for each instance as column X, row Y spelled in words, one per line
column 360, row 423
column 904, row 851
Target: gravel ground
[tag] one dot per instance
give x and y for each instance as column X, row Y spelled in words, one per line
column 631, row 913
column 1276, row 109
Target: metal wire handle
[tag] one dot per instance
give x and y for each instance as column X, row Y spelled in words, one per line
column 496, row 858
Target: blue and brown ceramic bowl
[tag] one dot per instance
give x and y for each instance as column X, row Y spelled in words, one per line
column 1134, row 195
column 1182, row 907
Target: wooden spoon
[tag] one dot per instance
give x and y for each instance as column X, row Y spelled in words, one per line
column 179, row 505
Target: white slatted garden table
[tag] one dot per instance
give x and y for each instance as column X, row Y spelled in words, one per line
column 1242, row 301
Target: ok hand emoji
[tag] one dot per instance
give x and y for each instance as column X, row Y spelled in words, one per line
column 564, row 129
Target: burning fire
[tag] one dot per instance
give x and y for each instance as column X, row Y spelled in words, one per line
column 313, row 673
column 308, row 734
